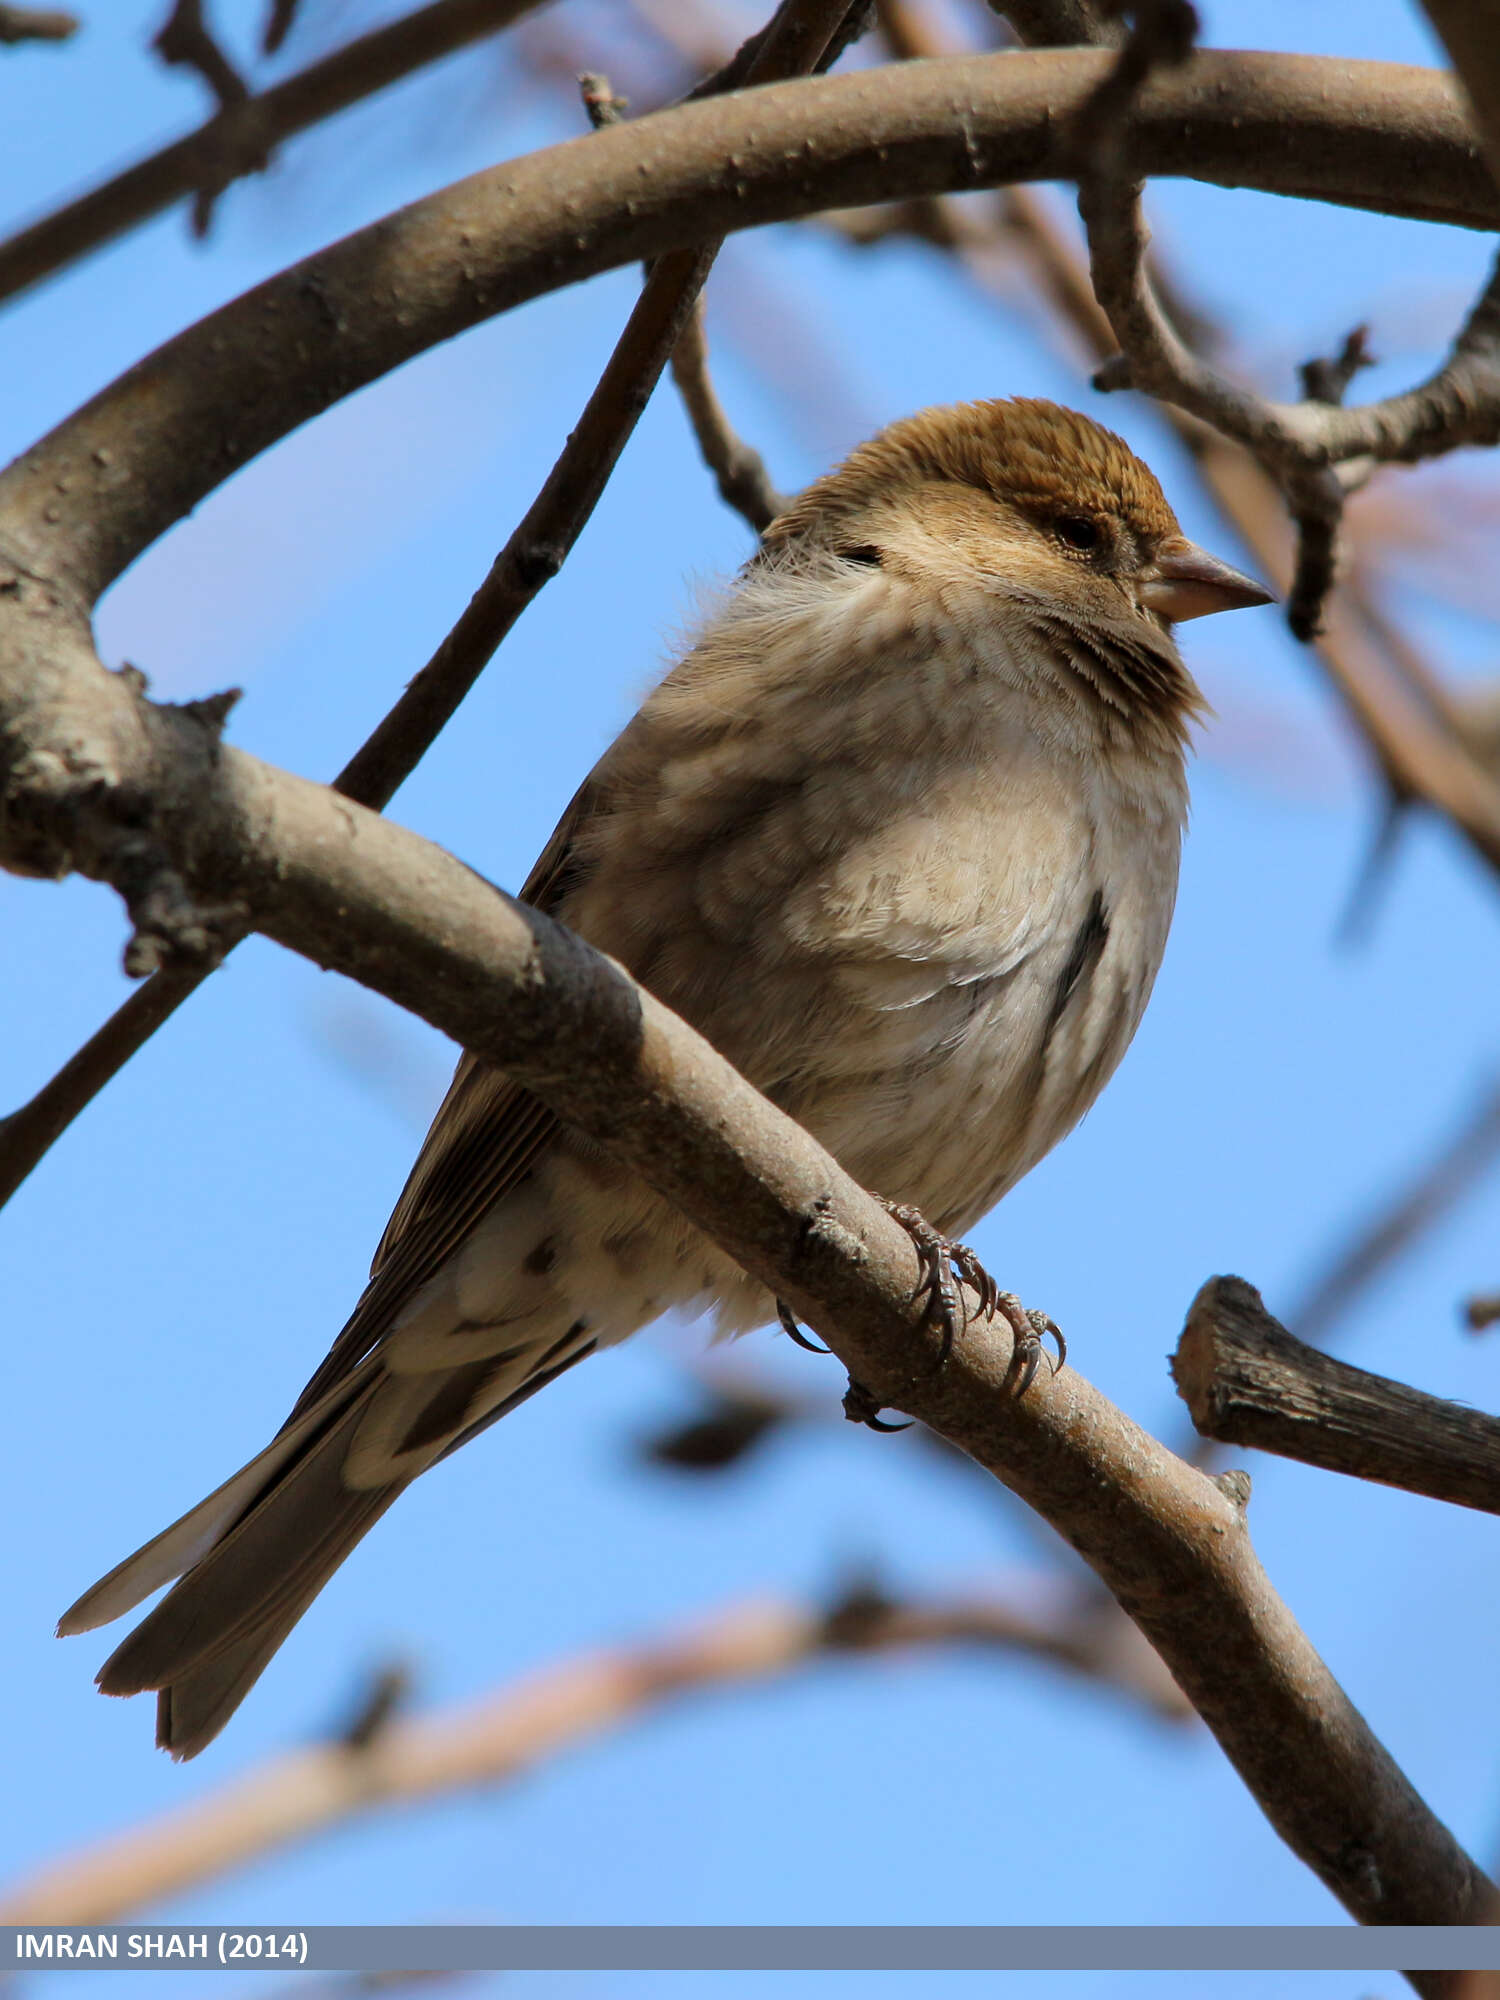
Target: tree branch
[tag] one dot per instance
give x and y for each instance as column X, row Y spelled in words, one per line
column 100, row 767
column 1246, row 1380
column 739, row 470
column 36, row 24
column 1314, row 450
column 530, row 559
column 493, row 1742
column 1468, row 32
column 240, row 140
column 184, row 39
column 1372, row 134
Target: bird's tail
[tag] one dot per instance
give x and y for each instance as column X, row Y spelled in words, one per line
column 252, row 1557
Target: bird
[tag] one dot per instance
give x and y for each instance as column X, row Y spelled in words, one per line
column 899, row 833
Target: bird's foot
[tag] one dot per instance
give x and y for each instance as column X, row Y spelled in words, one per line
column 1030, row 1329
column 943, row 1263
column 791, row 1326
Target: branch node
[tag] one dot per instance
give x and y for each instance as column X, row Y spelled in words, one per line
column 1235, row 1486
column 1327, row 379
column 184, row 39
column 599, row 99
column 1113, row 374
column 169, row 925
column 210, row 711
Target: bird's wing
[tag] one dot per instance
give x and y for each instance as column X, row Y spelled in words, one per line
column 486, row 1136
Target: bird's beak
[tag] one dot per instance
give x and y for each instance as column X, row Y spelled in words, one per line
column 1187, row 582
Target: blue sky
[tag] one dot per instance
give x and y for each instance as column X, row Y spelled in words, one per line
column 176, row 1267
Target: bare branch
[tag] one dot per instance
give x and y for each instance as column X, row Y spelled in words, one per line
column 323, row 329
column 184, row 39
column 496, row 1740
column 239, row 141
column 279, row 18
column 1326, row 379
column 531, row 557
column 36, row 24
column 1246, row 1380
column 739, row 470
column 1423, row 741
column 600, row 102
column 94, row 763
column 1056, row 24
column 1482, row 1311
column 1468, row 34
column 1312, row 449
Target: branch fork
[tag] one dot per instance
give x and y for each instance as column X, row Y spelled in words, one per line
column 1316, row 451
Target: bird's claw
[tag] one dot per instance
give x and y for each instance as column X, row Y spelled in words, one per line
column 860, row 1407
column 792, row 1328
column 1030, row 1329
column 940, row 1259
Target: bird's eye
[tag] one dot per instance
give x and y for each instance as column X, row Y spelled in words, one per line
column 1077, row 531
column 865, row 553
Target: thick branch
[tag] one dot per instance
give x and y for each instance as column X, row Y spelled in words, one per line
column 239, row 140
column 359, row 895
column 1470, row 31
column 87, row 500
column 1246, row 1380
column 499, row 1739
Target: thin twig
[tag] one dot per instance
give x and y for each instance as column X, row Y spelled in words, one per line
column 559, row 512
column 1312, row 449
column 1413, row 725
column 531, row 557
column 185, row 39
column 599, row 100
column 36, row 24
column 279, row 18
column 739, row 470
column 413, row 1759
column 239, row 141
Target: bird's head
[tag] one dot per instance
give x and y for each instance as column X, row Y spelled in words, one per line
column 1023, row 496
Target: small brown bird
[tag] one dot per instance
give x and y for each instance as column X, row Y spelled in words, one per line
column 900, row 835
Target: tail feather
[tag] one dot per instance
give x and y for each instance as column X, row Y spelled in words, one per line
column 177, row 1548
column 195, row 1705
column 252, row 1557
column 280, row 1553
